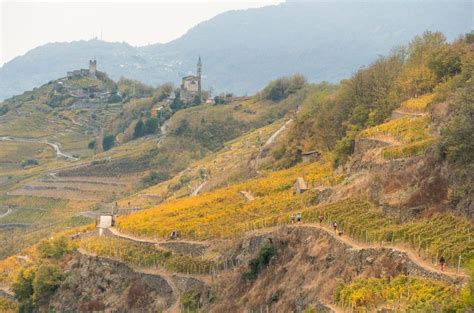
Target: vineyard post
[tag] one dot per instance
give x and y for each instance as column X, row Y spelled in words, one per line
column 459, row 263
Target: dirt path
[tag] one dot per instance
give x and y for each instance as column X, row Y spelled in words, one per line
column 117, row 233
column 167, row 276
column 414, row 257
column 345, row 239
column 275, row 135
column 198, row 189
column 268, row 143
column 55, row 146
column 6, row 213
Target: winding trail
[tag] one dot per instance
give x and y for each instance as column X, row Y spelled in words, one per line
column 412, row 255
column 6, row 213
column 198, row 189
column 119, row 234
column 275, row 135
column 55, row 146
column 268, row 143
column 167, row 276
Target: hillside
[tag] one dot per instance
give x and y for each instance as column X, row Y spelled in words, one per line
column 378, row 167
column 243, row 50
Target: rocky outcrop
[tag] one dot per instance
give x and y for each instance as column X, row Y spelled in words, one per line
column 100, row 284
column 309, row 264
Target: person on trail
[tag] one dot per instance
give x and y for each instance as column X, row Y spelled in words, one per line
column 442, row 263
column 292, row 218
column 298, row 217
column 334, row 225
column 321, row 219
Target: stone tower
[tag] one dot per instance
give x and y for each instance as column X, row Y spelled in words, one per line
column 198, row 73
column 92, row 67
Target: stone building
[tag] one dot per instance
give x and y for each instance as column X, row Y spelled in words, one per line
column 300, row 185
column 91, row 72
column 191, row 84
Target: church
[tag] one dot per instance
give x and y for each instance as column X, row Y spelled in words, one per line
column 191, row 84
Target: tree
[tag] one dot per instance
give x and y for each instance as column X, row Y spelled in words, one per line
column 114, row 98
column 23, row 285
column 91, row 144
column 108, row 142
column 47, row 279
column 283, row 87
column 151, row 125
column 458, row 135
column 54, row 249
column 197, row 100
column 139, row 130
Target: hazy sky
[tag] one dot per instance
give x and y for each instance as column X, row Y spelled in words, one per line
column 27, row 24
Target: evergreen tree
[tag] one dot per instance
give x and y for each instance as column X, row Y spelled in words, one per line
column 139, row 129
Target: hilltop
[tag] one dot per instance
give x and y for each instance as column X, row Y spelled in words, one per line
column 243, row 50
column 203, row 205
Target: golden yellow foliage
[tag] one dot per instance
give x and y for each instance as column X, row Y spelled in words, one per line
column 405, row 130
column 403, row 293
column 417, row 105
column 407, row 150
column 224, row 212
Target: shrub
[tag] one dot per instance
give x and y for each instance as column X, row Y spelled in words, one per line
column 190, row 301
column 153, row 178
column 114, row 98
column 47, row 279
column 29, row 162
column 91, row 144
column 139, row 130
column 55, row 248
column 151, row 125
column 23, row 285
column 261, row 262
column 283, row 87
column 108, row 142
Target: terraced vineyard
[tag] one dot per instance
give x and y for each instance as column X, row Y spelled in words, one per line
column 146, row 255
column 230, row 165
column 417, row 105
column 405, row 130
column 224, row 211
column 401, row 293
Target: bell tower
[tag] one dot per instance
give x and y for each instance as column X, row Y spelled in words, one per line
column 198, row 73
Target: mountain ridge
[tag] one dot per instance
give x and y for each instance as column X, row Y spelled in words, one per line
column 242, row 50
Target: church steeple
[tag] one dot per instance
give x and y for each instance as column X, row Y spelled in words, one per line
column 199, row 72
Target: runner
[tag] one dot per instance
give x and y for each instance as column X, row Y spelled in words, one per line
column 442, row 262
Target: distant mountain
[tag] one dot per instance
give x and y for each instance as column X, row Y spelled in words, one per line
column 243, row 50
